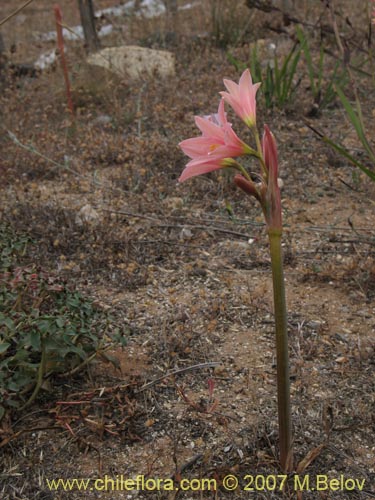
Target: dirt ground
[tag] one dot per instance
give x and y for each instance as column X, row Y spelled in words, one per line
column 185, row 267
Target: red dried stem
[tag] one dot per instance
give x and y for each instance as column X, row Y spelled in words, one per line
column 60, row 46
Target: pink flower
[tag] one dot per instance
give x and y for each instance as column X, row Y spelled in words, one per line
column 215, row 148
column 242, row 97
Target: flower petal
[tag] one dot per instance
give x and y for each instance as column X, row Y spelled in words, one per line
column 208, row 127
column 198, row 146
column 232, row 87
column 199, row 167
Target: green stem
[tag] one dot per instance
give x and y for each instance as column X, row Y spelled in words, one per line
column 260, row 152
column 234, row 164
column 244, row 172
column 39, row 382
column 283, row 384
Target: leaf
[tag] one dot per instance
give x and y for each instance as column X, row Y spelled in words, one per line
column 52, row 344
column 4, row 347
column 119, row 337
column 60, row 322
column 12, row 403
column 21, row 382
column 35, row 340
column 239, row 66
column 64, row 351
column 112, row 359
column 8, row 322
column 292, row 72
column 356, row 122
column 347, row 155
column 306, row 50
column 21, row 355
column 45, row 326
column 309, row 458
column 320, row 68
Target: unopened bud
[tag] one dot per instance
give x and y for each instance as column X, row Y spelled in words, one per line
column 246, row 185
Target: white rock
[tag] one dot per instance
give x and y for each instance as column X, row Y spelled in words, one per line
column 102, row 120
column 87, row 215
column 45, row 60
column 133, row 62
column 185, row 234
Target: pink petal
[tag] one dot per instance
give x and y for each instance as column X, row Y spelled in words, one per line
column 232, row 140
column 197, row 146
column 221, row 113
column 207, row 127
column 245, row 81
column 199, row 167
column 234, row 102
column 231, row 87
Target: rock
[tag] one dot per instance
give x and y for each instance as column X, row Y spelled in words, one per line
column 173, row 203
column 185, row 234
column 102, row 121
column 45, row 60
column 87, row 215
column 133, row 62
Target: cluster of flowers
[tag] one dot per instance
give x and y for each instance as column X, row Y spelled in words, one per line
column 218, row 145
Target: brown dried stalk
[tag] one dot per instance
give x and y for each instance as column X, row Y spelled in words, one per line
column 60, row 45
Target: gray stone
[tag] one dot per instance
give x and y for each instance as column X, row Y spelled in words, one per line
column 134, row 63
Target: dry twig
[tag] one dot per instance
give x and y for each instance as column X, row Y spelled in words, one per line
column 178, row 371
column 15, row 12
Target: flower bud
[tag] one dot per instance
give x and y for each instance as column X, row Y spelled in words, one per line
column 247, row 186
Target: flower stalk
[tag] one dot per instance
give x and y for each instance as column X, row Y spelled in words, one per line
column 282, row 354
column 60, row 45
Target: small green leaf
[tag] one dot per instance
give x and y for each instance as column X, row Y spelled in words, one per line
column 60, row 322
column 35, row 340
column 8, row 322
column 44, row 326
column 4, row 347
